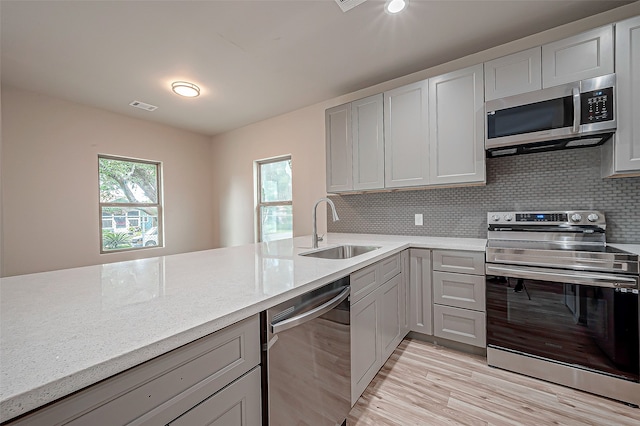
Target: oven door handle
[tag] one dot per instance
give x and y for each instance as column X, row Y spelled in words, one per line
column 572, row 277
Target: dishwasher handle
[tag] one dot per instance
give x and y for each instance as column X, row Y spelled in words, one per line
column 311, row 314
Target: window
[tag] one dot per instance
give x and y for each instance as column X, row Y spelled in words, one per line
column 274, row 215
column 130, row 204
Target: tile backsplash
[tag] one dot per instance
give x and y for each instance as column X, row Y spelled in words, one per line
column 560, row 180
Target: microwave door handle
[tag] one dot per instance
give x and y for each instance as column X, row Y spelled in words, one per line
column 576, row 109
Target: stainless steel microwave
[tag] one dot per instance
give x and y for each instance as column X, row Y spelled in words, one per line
column 569, row 116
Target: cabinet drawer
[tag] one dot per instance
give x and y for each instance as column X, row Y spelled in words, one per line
column 364, row 282
column 390, row 267
column 465, row 262
column 459, row 290
column 238, row 404
column 163, row 388
column 373, row 276
column 460, row 325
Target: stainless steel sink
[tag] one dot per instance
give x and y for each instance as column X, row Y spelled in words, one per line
column 340, row 252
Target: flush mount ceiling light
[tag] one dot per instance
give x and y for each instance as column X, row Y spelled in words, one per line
column 395, row 6
column 184, row 88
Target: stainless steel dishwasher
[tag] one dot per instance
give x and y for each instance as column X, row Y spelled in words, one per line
column 308, row 358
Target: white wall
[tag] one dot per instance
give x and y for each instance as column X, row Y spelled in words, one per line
column 301, row 133
column 50, row 182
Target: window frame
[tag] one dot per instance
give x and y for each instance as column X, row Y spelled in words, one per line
column 258, row 188
column 158, row 204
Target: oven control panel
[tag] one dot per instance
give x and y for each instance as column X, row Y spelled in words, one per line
column 582, row 217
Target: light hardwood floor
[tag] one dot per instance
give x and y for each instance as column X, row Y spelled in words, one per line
column 425, row 384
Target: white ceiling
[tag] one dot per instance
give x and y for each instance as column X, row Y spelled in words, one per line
column 252, row 59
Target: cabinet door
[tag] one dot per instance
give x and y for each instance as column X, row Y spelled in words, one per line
column 420, row 288
column 390, row 323
column 368, row 143
column 339, row 148
column 586, row 55
column 365, row 347
column 513, row 74
column 236, row 405
column 627, row 137
column 456, row 123
column 406, row 135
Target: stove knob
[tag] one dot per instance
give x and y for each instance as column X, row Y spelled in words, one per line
column 576, row 217
column 593, row 217
column 495, row 217
column 508, row 217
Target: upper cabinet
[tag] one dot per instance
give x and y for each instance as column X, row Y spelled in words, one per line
column 583, row 56
column 456, row 127
column 621, row 156
column 406, row 135
column 513, row 74
column 355, row 145
column 338, row 148
column 368, row 143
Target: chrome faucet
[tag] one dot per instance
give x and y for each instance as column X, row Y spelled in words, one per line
column 314, row 237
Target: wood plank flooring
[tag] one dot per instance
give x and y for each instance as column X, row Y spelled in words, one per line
column 425, row 384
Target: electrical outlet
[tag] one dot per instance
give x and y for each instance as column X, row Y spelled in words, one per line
column 418, row 219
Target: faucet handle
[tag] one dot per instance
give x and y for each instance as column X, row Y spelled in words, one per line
column 320, row 238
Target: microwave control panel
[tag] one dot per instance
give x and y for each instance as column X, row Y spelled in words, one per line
column 596, row 106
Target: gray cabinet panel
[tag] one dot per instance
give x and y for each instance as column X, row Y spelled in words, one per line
column 513, row 74
column 368, row 143
column 365, row 344
column 466, row 262
column 339, row 148
column 364, row 282
column 460, row 325
column 406, row 135
column 236, row 405
column 456, row 127
column 626, row 145
column 390, row 327
column 586, row 55
column 459, row 290
column 390, row 267
column 420, row 288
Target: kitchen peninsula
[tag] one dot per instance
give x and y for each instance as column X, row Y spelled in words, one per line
column 104, row 319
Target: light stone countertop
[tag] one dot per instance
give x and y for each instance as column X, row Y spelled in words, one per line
column 63, row 330
column 631, row 248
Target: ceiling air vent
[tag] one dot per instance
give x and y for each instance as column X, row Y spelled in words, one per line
column 346, row 5
column 142, row 105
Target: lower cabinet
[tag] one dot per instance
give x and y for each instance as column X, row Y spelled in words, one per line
column 377, row 320
column 211, row 378
column 237, row 404
column 459, row 307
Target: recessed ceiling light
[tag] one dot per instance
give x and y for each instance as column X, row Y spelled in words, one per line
column 395, row 6
column 184, row 88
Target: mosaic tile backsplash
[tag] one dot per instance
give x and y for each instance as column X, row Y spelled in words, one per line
column 560, row 180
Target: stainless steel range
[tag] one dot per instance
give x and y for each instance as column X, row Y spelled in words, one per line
column 561, row 304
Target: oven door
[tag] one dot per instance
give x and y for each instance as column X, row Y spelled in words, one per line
column 580, row 319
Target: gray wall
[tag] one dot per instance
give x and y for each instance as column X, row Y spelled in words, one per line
column 560, row 180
